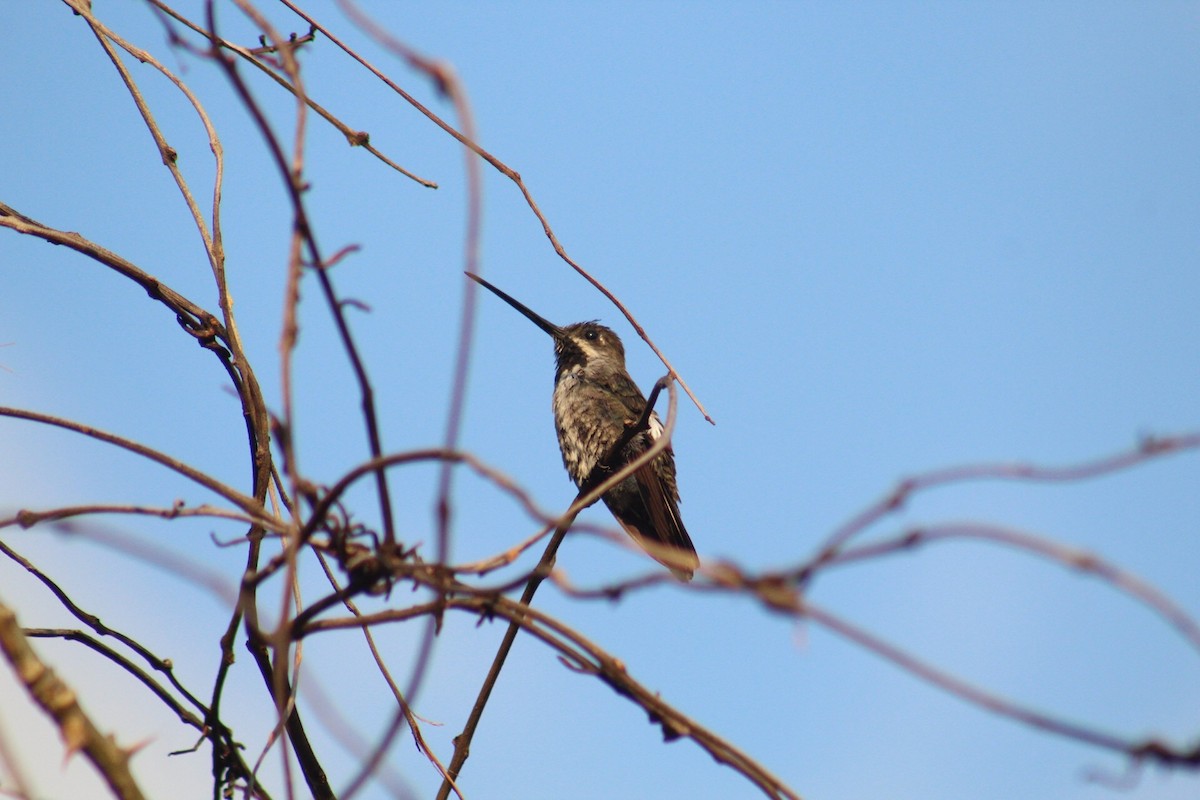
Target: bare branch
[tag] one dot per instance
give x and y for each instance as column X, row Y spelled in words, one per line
column 586, row 658
column 247, row 504
column 1068, row 558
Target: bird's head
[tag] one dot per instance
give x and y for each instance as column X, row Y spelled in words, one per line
column 586, row 346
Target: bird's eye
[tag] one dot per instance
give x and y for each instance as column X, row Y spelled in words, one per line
column 591, row 336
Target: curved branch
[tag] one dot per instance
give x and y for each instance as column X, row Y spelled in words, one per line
column 291, row 174
column 247, row 504
column 584, row 657
column 205, row 328
column 70, row 635
column 27, row 519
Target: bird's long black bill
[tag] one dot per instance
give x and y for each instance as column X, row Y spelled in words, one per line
column 537, row 319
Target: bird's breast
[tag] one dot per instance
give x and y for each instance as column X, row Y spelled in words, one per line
column 588, row 420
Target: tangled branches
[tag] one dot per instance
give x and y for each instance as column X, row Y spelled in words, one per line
column 334, row 552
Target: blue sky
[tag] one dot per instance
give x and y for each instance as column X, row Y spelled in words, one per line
column 875, row 238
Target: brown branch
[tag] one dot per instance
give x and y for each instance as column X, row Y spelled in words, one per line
column 777, row 592
column 191, row 317
column 1069, row 558
column 314, row 774
column 327, row 708
column 226, row 755
column 294, row 43
column 27, row 519
column 673, row 722
column 219, row 736
column 591, row 492
column 158, row 690
column 269, row 652
column 168, row 154
column 94, row 622
column 59, row 701
column 303, row 231
column 244, row 380
column 582, row 656
column 225, row 644
column 206, row 329
column 247, row 504
column 505, row 483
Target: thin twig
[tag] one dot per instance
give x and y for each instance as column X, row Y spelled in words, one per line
column 244, row 381
column 304, row 232
column 515, row 177
column 1069, row 558
column 94, row 622
column 356, row 138
column 159, row 691
column 27, row 519
column 401, row 703
column 270, row 650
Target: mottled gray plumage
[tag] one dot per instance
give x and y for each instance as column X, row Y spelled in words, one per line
column 594, row 402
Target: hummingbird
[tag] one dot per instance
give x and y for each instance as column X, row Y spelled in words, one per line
column 594, row 403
